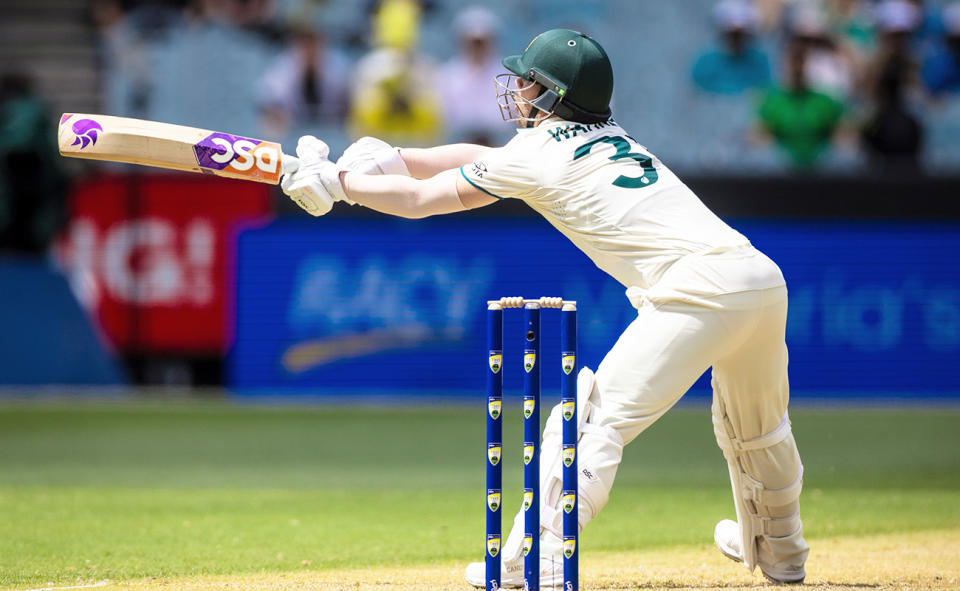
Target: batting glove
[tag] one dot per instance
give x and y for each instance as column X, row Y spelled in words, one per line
column 368, row 155
column 315, row 185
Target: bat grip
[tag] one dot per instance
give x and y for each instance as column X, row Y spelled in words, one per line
column 289, row 164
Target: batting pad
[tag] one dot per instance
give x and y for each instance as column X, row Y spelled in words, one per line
column 769, row 518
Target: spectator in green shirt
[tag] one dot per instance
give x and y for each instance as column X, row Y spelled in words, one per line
column 802, row 121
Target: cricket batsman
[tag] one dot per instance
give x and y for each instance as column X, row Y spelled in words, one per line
column 705, row 297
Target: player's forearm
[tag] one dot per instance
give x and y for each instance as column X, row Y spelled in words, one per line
column 424, row 163
column 404, row 196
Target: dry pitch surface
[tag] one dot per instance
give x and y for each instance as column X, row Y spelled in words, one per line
column 922, row 560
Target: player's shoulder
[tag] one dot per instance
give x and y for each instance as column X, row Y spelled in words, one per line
column 555, row 134
column 525, row 146
column 555, row 137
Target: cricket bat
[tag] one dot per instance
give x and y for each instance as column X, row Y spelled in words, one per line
column 177, row 147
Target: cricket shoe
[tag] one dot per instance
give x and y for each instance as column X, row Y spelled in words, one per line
column 728, row 539
column 511, row 571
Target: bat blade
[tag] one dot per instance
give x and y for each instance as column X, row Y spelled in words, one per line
column 176, row 147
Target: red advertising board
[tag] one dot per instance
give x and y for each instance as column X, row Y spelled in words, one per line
column 151, row 256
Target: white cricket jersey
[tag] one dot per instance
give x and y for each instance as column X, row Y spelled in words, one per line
column 606, row 193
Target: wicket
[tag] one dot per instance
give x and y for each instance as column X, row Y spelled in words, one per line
column 531, row 439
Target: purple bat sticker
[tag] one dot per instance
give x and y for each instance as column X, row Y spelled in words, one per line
column 244, row 156
column 217, row 150
column 87, row 132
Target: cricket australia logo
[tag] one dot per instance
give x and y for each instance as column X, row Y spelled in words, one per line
column 569, row 500
column 494, row 407
column 569, row 455
column 527, row 498
column 529, row 405
column 527, row 453
column 493, row 453
column 493, row 499
column 569, row 409
column 527, row 544
column 493, row 545
column 496, row 361
column 529, row 360
column 87, row 131
column 569, row 361
column 569, row 546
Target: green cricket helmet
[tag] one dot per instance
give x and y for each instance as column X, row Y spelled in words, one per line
column 574, row 71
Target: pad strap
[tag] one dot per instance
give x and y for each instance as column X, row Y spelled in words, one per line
column 754, row 490
column 730, row 444
column 550, row 517
column 774, row 526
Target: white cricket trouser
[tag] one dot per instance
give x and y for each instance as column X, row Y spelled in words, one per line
column 726, row 310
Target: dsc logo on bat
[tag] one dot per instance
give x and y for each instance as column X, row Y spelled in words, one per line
column 240, row 156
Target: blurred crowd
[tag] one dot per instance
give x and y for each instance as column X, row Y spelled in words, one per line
column 286, row 67
column 822, row 77
column 819, row 71
column 822, row 73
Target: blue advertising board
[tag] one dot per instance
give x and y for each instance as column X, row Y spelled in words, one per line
column 46, row 336
column 394, row 306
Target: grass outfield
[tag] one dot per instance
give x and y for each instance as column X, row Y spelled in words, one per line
column 207, row 493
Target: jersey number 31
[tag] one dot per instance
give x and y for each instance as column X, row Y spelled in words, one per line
column 649, row 176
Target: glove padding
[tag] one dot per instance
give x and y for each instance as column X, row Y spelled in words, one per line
column 368, row 155
column 302, row 187
column 315, row 185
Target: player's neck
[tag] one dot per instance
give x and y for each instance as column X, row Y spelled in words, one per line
column 531, row 123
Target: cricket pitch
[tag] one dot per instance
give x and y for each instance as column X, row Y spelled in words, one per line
column 911, row 561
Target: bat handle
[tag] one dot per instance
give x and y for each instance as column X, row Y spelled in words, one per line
column 289, row 164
